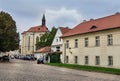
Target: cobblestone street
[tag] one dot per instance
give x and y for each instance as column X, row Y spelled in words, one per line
column 18, row 70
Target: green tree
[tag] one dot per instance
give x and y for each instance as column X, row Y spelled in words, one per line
column 47, row 38
column 55, row 58
column 9, row 38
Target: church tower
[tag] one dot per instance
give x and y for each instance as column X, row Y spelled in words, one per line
column 43, row 20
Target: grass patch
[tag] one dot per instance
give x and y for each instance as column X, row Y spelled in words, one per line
column 88, row 68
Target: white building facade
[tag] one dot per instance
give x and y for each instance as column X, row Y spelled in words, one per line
column 43, row 54
column 57, row 42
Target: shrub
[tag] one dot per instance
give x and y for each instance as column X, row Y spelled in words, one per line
column 55, row 58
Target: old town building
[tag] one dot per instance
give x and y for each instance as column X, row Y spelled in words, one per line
column 57, row 41
column 32, row 36
column 95, row 42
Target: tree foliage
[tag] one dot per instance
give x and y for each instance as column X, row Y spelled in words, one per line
column 9, row 38
column 55, row 58
column 47, row 38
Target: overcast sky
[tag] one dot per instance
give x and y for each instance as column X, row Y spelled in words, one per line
column 28, row 13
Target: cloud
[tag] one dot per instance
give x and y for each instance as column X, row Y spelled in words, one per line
column 63, row 17
column 28, row 13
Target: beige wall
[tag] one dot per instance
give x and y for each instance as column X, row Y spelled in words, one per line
column 91, row 51
column 25, row 39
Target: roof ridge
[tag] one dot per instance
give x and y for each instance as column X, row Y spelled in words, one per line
column 103, row 23
column 101, row 17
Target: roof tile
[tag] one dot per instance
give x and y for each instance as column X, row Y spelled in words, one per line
column 37, row 29
column 64, row 29
column 44, row 50
column 104, row 23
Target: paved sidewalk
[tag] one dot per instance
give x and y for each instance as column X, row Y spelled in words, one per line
column 19, row 70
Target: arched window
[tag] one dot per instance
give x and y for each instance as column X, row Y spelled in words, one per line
column 29, row 43
column 37, row 39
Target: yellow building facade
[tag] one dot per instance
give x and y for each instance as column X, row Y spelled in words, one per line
column 31, row 37
column 94, row 43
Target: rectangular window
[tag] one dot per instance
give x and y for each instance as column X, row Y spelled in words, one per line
column 110, row 39
column 56, row 39
column 67, row 44
column 97, row 40
column 76, row 59
column 86, row 42
column 86, row 59
column 59, row 39
column 97, row 60
column 110, row 60
column 76, row 43
column 58, row 48
column 67, row 59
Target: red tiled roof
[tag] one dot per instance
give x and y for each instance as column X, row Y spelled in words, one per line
column 64, row 29
column 104, row 23
column 24, row 32
column 37, row 29
column 44, row 50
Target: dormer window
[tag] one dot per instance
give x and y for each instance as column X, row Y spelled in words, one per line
column 93, row 27
column 47, row 28
column 38, row 28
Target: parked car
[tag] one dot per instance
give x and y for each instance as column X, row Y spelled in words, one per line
column 5, row 58
column 12, row 57
column 21, row 57
column 27, row 58
column 0, row 58
column 40, row 61
column 16, row 57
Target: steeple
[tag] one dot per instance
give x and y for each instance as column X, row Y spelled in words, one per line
column 43, row 20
